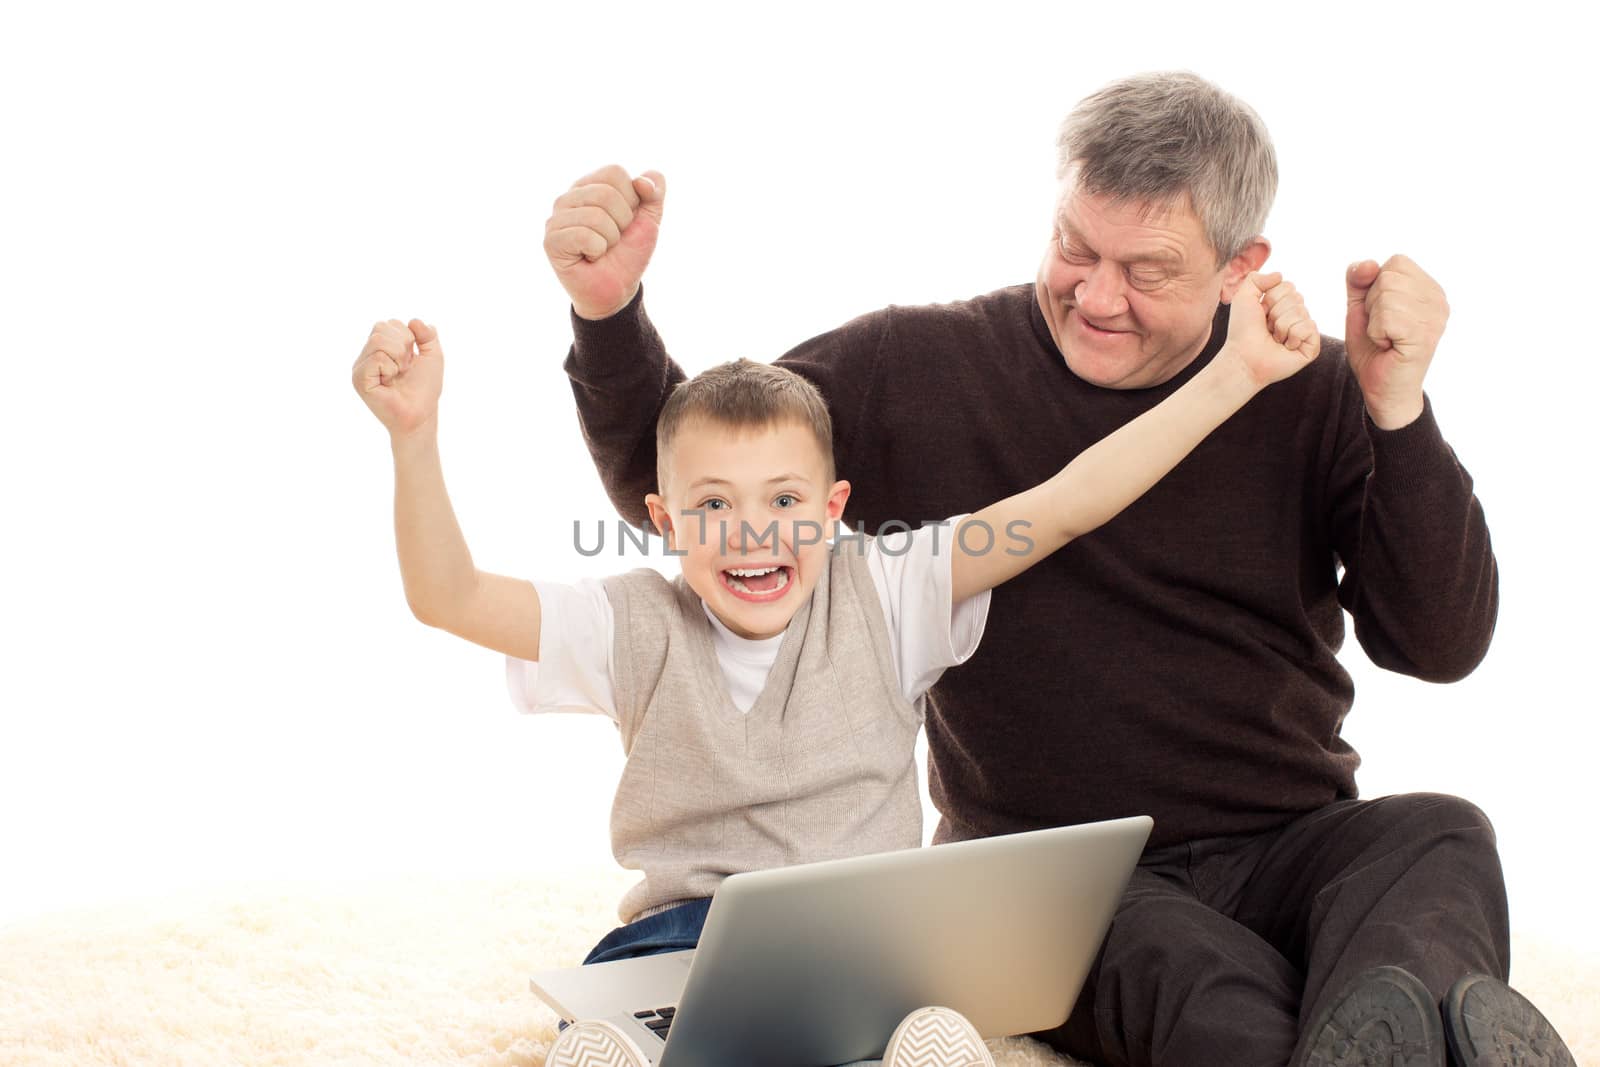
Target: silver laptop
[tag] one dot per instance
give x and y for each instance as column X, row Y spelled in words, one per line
column 816, row 964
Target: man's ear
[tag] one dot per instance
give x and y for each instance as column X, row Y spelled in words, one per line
column 1250, row 258
column 661, row 517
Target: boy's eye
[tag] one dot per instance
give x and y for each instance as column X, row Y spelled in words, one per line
column 785, row 500
column 715, row 504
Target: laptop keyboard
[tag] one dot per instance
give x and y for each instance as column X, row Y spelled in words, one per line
column 658, row 1020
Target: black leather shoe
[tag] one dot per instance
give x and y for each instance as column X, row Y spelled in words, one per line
column 1385, row 1017
column 1489, row 1024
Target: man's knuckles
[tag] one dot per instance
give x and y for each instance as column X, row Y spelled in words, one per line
column 605, row 197
column 598, row 219
column 610, row 173
column 1403, row 264
column 571, row 243
column 614, row 178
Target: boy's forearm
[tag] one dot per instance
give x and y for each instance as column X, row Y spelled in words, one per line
column 1114, row 472
column 1101, row 480
column 435, row 563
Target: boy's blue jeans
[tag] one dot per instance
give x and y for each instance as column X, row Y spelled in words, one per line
column 668, row 931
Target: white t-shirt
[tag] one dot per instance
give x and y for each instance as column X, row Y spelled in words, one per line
column 910, row 570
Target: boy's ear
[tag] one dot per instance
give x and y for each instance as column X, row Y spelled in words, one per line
column 838, row 494
column 661, row 518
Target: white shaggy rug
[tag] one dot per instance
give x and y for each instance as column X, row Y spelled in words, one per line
column 409, row 972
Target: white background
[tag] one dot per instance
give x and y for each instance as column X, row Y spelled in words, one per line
column 209, row 670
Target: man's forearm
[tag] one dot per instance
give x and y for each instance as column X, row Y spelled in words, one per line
column 621, row 376
column 1420, row 575
column 435, row 563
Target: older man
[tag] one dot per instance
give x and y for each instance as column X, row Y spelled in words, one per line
column 1180, row 662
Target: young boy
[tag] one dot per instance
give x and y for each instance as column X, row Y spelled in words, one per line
column 769, row 699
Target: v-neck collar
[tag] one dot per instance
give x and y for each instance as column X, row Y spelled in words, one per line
column 746, row 648
column 714, row 685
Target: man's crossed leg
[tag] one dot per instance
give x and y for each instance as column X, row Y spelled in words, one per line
column 1333, row 940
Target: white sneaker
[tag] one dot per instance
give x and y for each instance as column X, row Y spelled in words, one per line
column 595, row 1043
column 936, row 1037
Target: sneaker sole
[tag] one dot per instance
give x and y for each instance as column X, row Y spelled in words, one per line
column 1488, row 1023
column 596, row 1043
column 1386, row 1018
column 936, row 1037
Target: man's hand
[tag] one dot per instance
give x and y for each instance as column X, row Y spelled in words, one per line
column 400, row 374
column 600, row 235
column 1269, row 330
column 1392, row 325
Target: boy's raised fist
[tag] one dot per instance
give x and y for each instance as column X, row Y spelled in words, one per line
column 400, row 374
column 1269, row 328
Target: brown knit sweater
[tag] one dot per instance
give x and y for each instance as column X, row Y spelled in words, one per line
column 1179, row 661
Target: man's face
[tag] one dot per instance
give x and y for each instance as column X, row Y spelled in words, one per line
column 752, row 511
column 1129, row 290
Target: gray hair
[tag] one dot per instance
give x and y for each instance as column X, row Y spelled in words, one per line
column 1153, row 137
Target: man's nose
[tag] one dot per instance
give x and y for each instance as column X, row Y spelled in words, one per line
column 1101, row 294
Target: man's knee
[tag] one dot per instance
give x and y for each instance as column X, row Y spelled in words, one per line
column 1176, row 978
column 1441, row 815
column 1185, row 944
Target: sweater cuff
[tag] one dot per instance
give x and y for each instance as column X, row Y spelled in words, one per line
column 603, row 348
column 1410, row 455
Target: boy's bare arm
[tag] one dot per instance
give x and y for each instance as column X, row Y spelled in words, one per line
column 399, row 375
column 1270, row 337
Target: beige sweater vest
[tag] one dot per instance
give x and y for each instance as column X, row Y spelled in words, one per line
column 819, row 768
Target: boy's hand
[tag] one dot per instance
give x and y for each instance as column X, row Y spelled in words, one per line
column 400, row 374
column 1269, row 330
column 600, row 235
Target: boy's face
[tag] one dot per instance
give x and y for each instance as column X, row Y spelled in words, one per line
column 752, row 501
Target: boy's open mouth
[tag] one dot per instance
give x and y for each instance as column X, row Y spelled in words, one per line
column 758, row 583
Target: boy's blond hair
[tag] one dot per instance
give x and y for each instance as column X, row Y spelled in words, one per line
column 744, row 394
